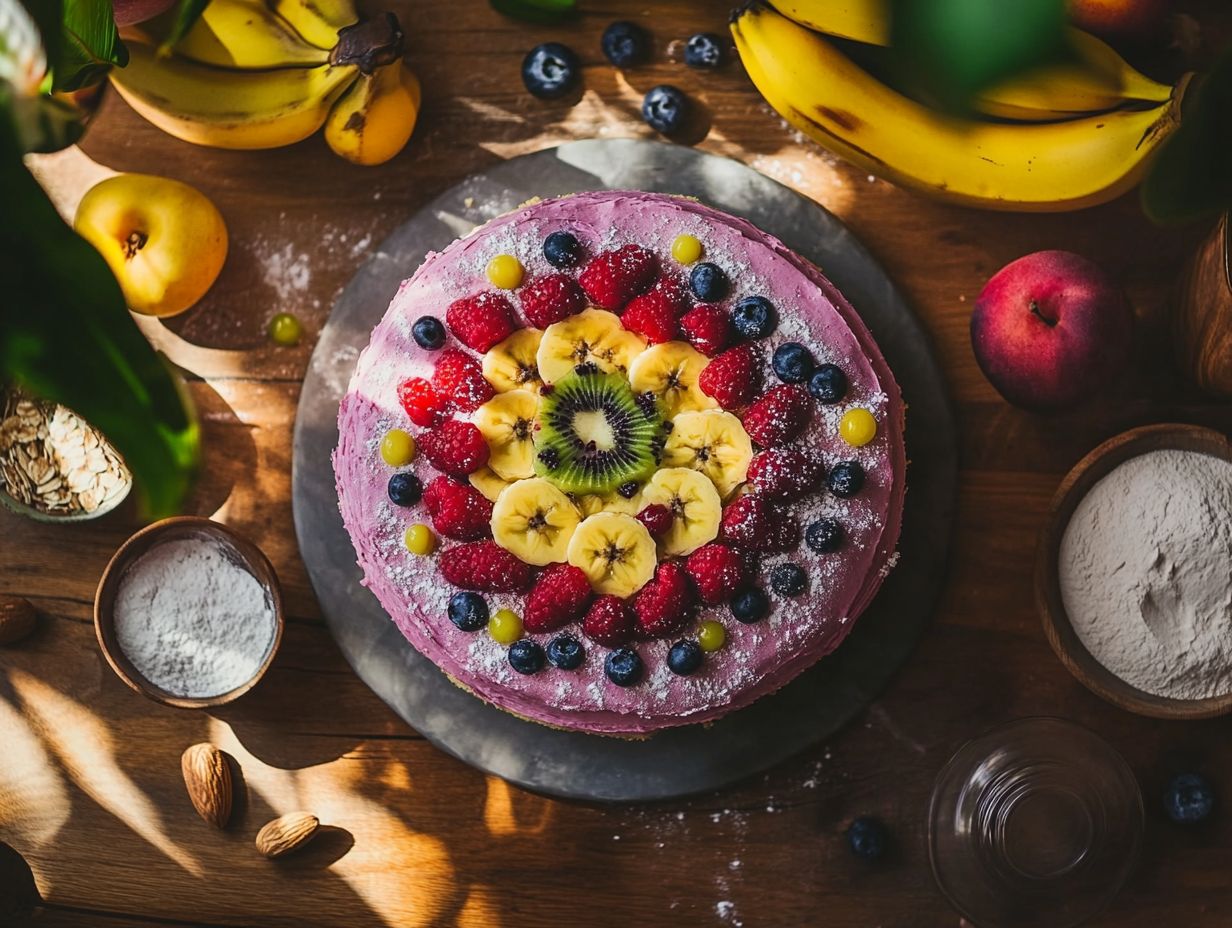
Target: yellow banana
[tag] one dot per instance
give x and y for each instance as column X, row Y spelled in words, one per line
column 318, row 21
column 374, row 119
column 1097, row 80
column 245, row 34
column 225, row 108
column 1030, row 166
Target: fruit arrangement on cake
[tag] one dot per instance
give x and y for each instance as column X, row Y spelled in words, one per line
column 619, row 461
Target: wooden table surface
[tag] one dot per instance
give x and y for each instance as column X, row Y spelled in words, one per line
column 90, row 789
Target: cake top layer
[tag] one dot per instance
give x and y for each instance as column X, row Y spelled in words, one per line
column 603, row 355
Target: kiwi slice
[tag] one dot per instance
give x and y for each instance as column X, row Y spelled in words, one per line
column 593, row 434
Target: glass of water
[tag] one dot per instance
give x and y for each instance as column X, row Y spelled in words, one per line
column 1036, row 824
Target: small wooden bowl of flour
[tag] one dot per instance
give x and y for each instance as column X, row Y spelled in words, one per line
column 1133, row 576
column 189, row 613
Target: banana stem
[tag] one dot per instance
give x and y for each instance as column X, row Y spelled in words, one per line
column 370, row 43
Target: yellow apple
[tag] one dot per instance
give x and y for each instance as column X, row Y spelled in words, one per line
column 164, row 240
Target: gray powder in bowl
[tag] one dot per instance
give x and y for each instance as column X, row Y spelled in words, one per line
column 192, row 619
column 1146, row 573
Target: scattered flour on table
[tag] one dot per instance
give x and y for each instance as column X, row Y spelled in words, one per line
column 193, row 620
column 1146, row 573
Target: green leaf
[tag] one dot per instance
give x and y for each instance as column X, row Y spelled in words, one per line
column 951, row 49
column 91, row 45
column 545, row 12
column 1191, row 176
column 186, row 13
column 68, row 336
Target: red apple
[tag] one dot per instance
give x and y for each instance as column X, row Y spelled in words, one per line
column 1050, row 330
column 128, row 12
column 1135, row 21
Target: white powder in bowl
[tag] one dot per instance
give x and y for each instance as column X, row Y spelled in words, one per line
column 192, row 619
column 1146, row 573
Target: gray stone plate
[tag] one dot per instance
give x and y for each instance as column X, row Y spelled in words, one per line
column 680, row 761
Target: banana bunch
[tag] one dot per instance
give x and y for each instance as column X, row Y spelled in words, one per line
column 1066, row 136
column 267, row 73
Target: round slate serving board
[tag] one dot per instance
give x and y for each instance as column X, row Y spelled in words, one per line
column 680, row 761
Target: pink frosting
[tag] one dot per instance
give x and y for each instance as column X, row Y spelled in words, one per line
column 757, row 659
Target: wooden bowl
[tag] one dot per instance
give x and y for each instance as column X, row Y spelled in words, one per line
column 1061, row 635
column 245, row 552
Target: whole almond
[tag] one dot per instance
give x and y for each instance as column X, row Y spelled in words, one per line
column 286, row 833
column 208, row 779
column 16, row 619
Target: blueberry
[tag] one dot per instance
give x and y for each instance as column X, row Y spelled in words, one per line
column 1188, row 798
column 867, row 837
column 703, row 50
column 526, row 656
column 684, row 657
column 468, row 611
column 749, row 605
column 405, row 489
column 824, row 536
column 793, row 363
column 566, row 652
column 665, row 108
column 828, row 383
column 428, row 332
column 754, row 317
column 623, row 667
column 846, row 479
column 708, row 282
column 788, row 579
column 562, row 250
column 625, row 43
column 550, row 70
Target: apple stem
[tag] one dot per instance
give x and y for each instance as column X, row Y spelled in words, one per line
column 1035, row 310
column 134, row 243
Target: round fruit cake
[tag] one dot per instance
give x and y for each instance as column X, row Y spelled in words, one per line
column 618, row 461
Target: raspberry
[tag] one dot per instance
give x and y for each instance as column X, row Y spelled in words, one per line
column 613, row 278
column 664, row 604
column 422, row 403
column 482, row 320
column 733, row 377
column 609, row 621
column 456, row 448
column 559, row 596
column 717, row 571
column 779, row 416
column 656, row 518
column 707, row 328
column 756, row 523
column 485, row 566
column 550, row 299
column 784, row 473
column 458, row 510
column 459, row 379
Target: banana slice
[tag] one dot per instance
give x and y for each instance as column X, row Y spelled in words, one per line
column 511, row 364
column 593, row 335
column 591, row 503
column 615, row 552
column 506, row 422
column 713, row 442
column 535, row 521
column 488, row 483
column 670, row 371
column 695, row 506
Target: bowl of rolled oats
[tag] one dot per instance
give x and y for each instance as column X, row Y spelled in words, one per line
column 54, row 466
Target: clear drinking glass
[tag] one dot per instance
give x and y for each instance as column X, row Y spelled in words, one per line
column 1036, row 824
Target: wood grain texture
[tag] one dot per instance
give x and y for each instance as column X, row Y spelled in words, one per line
column 90, row 789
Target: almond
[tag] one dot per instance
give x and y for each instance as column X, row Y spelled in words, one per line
column 286, row 833
column 16, row 619
column 207, row 775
